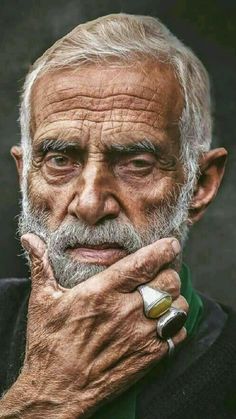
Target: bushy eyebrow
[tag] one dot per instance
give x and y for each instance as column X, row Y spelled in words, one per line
column 143, row 146
column 57, row 145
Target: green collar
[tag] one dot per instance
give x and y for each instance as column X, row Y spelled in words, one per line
column 124, row 406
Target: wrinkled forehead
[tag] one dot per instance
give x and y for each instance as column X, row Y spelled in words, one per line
column 149, row 89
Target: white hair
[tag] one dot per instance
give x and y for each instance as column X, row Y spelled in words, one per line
column 126, row 39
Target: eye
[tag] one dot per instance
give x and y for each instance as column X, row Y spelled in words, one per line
column 140, row 163
column 59, row 161
column 136, row 165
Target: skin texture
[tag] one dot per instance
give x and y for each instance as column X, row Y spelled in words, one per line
column 69, row 370
column 74, row 105
column 95, row 108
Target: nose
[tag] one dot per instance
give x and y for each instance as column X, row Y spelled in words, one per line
column 94, row 199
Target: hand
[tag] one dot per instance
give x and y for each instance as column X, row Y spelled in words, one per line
column 93, row 341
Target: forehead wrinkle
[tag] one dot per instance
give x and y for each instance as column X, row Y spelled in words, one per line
column 162, row 116
column 110, row 103
column 143, row 130
column 99, row 93
column 56, row 85
column 65, row 99
column 150, row 119
column 58, row 88
column 80, row 127
column 57, row 133
column 90, row 95
column 109, row 114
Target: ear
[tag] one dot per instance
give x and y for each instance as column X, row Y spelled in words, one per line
column 212, row 167
column 16, row 152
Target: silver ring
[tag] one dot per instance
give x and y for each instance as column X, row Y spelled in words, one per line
column 171, row 347
column 171, row 322
column 155, row 302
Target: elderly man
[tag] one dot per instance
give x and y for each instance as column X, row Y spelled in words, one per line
column 114, row 167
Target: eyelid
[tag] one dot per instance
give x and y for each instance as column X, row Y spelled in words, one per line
column 51, row 154
column 133, row 155
column 142, row 156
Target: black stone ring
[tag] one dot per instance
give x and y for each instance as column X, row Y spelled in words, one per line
column 171, row 322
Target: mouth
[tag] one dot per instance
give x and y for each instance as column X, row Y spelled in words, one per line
column 100, row 254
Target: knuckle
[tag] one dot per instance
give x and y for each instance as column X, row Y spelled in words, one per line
column 166, row 250
column 142, row 267
column 170, row 281
column 182, row 303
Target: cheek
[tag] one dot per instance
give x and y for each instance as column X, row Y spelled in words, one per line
column 52, row 200
column 153, row 195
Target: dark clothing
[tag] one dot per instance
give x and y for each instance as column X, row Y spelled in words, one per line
column 198, row 383
column 14, row 295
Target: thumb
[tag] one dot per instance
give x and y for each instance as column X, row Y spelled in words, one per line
column 41, row 272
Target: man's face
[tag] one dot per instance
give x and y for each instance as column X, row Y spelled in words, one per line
column 105, row 144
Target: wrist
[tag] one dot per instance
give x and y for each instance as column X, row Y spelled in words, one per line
column 24, row 400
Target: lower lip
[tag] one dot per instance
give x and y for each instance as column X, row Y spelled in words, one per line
column 97, row 256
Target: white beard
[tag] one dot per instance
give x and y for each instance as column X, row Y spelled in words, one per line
column 163, row 222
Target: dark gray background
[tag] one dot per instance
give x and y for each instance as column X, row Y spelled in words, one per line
column 29, row 27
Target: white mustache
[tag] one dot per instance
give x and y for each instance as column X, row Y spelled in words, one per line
column 79, row 234
column 162, row 222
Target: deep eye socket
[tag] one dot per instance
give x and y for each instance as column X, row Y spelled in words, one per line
column 141, row 162
column 59, row 161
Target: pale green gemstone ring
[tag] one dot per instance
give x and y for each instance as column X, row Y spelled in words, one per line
column 156, row 302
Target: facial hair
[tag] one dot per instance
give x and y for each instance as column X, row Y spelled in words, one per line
column 164, row 221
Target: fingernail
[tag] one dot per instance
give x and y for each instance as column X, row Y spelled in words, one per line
column 176, row 246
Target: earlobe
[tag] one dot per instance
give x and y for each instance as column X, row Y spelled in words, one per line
column 16, row 152
column 212, row 167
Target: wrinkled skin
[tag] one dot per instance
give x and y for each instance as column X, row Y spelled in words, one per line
column 92, row 342
column 97, row 107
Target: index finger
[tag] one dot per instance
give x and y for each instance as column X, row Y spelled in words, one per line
column 139, row 268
